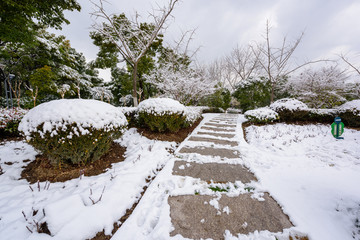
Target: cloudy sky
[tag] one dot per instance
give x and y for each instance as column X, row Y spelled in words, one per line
column 330, row 26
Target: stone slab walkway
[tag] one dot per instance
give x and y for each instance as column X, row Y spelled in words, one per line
column 197, row 216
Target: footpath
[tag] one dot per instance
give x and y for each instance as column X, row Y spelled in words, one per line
column 206, row 191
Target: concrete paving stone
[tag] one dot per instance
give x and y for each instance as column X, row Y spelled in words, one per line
column 208, row 151
column 216, row 172
column 213, row 140
column 220, row 125
column 224, row 135
column 217, row 129
column 193, row 219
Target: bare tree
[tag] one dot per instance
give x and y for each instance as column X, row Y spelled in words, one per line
column 244, row 62
column 275, row 61
column 123, row 34
column 352, row 65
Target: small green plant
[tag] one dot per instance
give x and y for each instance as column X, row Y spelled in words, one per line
column 218, row 189
column 249, row 189
column 171, row 122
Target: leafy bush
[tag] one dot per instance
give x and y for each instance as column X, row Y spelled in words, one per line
column 262, row 115
column 253, row 93
column 322, row 115
column 290, row 109
column 162, row 114
column 73, row 131
column 350, row 113
column 10, row 119
column 233, row 110
column 192, row 115
column 213, row 110
column 131, row 114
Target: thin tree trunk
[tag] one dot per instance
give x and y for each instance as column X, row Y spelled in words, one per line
column 134, row 85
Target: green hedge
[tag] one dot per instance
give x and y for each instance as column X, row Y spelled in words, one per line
column 69, row 148
column 167, row 122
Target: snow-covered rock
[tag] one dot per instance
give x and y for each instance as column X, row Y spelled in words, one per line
column 290, row 104
column 55, row 115
column 263, row 114
column 161, row 106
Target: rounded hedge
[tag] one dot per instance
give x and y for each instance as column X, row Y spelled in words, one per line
column 290, row 109
column 261, row 115
column 73, row 131
column 162, row 114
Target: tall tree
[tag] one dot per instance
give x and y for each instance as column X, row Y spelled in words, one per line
column 131, row 38
column 20, row 18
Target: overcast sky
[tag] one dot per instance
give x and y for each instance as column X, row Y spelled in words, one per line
column 330, row 26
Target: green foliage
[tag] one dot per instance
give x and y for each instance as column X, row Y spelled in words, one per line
column 20, row 19
column 253, row 93
column 350, row 119
column 220, row 99
column 167, row 122
column 78, row 150
column 218, row 189
column 322, row 115
column 213, row 110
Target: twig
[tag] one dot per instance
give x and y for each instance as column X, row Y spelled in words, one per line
column 29, row 229
column 31, row 188
column 24, row 216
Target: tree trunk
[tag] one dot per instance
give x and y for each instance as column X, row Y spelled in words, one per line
column 134, row 85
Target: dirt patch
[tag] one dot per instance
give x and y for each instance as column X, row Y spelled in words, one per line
column 42, row 170
column 177, row 137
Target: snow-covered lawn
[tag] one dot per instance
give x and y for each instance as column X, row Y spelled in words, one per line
column 313, row 176
column 67, row 207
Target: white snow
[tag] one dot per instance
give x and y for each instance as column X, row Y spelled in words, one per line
column 262, row 114
column 291, row 104
column 313, row 176
column 68, row 209
column 161, row 106
column 56, row 115
column 351, row 106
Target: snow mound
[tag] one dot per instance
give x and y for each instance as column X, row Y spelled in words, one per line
column 55, row 115
column 291, row 104
column 264, row 114
column 351, row 106
column 161, row 106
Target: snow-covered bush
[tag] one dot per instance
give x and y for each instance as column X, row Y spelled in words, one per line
column 350, row 113
column 10, row 119
column 131, row 115
column 233, row 110
column 73, row 131
column 322, row 115
column 213, row 110
column 290, row 109
column 262, row 115
column 162, row 114
column 192, row 115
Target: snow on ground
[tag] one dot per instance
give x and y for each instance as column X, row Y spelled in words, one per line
column 68, row 209
column 313, row 176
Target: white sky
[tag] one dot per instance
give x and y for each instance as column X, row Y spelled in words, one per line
column 330, row 26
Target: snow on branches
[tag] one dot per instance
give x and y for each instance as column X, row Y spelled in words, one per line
column 184, row 85
column 101, row 93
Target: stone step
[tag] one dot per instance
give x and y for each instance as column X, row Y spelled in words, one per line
column 216, row 172
column 223, row 135
column 193, row 218
column 217, row 129
column 219, row 125
column 213, row 140
column 208, row 151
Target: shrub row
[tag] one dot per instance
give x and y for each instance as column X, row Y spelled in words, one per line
column 292, row 110
column 9, row 121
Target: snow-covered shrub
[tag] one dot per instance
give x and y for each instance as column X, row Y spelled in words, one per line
column 73, row 131
column 233, row 110
column 162, row 114
column 130, row 114
column 290, row 109
column 350, row 113
column 10, row 119
column 262, row 115
column 213, row 110
column 322, row 115
column 192, row 115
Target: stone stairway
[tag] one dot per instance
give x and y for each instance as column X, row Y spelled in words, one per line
column 209, row 216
